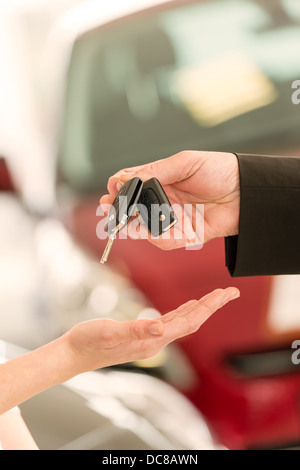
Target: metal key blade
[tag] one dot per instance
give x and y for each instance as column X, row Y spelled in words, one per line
column 108, row 249
column 112, row 238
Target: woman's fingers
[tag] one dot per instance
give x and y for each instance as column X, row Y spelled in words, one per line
column 185, row 320
column 185, row 308
column 188, row 320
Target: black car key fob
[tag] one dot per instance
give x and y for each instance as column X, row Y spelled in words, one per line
column 149, row 200
column 155, row 208
column 124, row 205
column 121, row 211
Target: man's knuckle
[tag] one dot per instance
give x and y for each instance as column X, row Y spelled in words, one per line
column 152, row 168
column 165, row 247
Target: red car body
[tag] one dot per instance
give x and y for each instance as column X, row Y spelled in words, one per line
column 6, row 183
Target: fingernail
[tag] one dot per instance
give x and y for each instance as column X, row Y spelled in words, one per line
column 124, row 176
column 229, row 298
column 156, row 329
column 235, row 296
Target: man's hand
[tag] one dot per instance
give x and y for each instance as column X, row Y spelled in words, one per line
column 196, row 178
column 100, row 343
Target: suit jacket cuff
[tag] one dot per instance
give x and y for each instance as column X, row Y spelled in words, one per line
column 269, row 225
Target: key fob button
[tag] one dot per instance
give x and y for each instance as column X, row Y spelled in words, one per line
column 157, row 212
column 149, row 197
column 155, row 209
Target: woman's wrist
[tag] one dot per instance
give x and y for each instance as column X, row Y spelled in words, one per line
column 32, row 373
column 75, row 359
column 68, row 360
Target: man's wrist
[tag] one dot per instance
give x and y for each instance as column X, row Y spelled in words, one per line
column 268, row 236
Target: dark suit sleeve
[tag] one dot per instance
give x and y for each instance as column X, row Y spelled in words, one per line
column 269, row 228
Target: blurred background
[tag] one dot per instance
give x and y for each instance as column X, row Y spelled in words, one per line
column 90, row 87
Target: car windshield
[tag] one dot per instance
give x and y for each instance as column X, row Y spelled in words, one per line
column 214, row 75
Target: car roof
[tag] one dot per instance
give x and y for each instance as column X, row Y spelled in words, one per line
column 93, row 13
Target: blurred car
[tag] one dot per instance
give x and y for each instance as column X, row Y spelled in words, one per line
column 160, row 78
column 129, row 82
